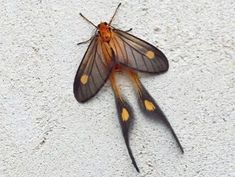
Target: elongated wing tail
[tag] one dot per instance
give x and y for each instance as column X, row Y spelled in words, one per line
column 125, row 118
column 149, row 106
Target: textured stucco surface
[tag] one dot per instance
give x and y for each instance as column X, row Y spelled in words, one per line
column 45, row 132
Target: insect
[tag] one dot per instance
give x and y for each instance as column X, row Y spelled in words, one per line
column 110, row 51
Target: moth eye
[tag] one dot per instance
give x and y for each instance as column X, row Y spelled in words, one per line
column 105, row 23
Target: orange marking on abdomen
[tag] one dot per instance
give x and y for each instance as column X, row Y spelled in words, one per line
column 117, row 68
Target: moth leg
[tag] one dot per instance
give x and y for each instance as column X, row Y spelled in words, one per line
column 84, row 42
column 125, row 116
column 127, row 31
column 149, row 105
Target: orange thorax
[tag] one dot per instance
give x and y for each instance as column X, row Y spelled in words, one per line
column 104, row 31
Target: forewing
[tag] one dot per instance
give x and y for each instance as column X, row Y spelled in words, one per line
column 137, row 54
column 93, row 71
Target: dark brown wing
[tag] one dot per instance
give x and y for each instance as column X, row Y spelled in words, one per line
column 137, row 54
column 94, row 70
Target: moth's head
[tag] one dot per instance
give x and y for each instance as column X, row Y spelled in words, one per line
column 103, row 26
column 104, row 31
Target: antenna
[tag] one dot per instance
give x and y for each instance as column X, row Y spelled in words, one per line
column 88, row 20
column 114, row 13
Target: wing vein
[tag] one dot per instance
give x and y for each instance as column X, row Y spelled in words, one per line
column 120, row 49
column 144, row 62
column 132, row 46
column 99, row 70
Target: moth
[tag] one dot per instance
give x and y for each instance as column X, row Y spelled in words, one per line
column 110, row 51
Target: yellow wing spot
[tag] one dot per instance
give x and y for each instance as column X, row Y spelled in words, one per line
column 150, row 54
column 84, row 79
column 149, row 105
column 125, row 114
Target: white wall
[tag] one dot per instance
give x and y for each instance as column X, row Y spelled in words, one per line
column 45, row 132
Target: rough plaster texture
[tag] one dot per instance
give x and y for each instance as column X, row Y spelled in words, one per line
column 45, row 132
